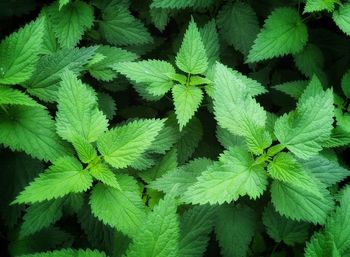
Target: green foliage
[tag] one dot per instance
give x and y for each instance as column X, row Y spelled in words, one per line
column 78, row 115
column 19, row 53
column 283, row 33
column 175, row 128
column 191, row 57
column 235, row 229
column 70, row 22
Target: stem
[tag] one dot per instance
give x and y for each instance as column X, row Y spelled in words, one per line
column 188, row 79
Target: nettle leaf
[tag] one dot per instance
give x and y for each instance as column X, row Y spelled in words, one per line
column 186, row 100
column 160, row 17
column 345, row 84
column 177, row 180
column 32, row 130
column 192, row 57
column 304, row 130
column 283, row 33
column 310, row 61
column 63, row 3
column 297, row 203
column 287, row 169
column 236, row 111
column 327, row 171
column 41, row 215
column 68, row 253
column 103, row 69
column 181, row 4
column 159, row 234
column 279, row 228
column 195, row 227
column 167, row 163
column 70, row 21
column 121, row 146
column 238, row 25
column 225, row 181
column 322, row 245
column 153, row 73
column 78, row 115
column 102, row 172
column 235, row 229
column 119, row 27
column 293, row 88
column 107, row 105
column 65, row 176
column 210, row 40
column 19, row 53
column 45, row 81
column 120, row 208
column 319, row 5
column 10, row 96
column 341, row 18
column 85, row 150
column 338, row 224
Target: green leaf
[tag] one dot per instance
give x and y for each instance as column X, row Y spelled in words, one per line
column 106, row 104
column 236, row 111
column 15, row 97
column 341, row 18
column 304, row 130
column 285, row 168
column 45, row 81
column 121, row 209
column 68, row 253
column 234, row 229
column 210, row 40
column 181, row 4
column 122, row 145
column 86, row 151
column 238, row 25
column 319, row 5
column 310, row 61
column 158, row 235
column 187, row 100
column 345, row 84
column 327, row 171
column 191, row 57
column 44, row 240
column 19, row 53
column 297, row 203
column 293, row 88
column 102, row 70
column 119, row 27
column 160, row 17
column 41, row 215
column 283, row 33
column 78, row 115
column 338, row 225
column 32, row 130
column 322, row 245
column 227, row 180
column 63, row 3
column 281, row 229
column 195, row 226
column 178, row 180
column 153, row 73
column 167, row 163
column 101, row 172
column 70, row 22
column 65, row 176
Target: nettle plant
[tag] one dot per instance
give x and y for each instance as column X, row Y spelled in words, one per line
column 228, row 140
